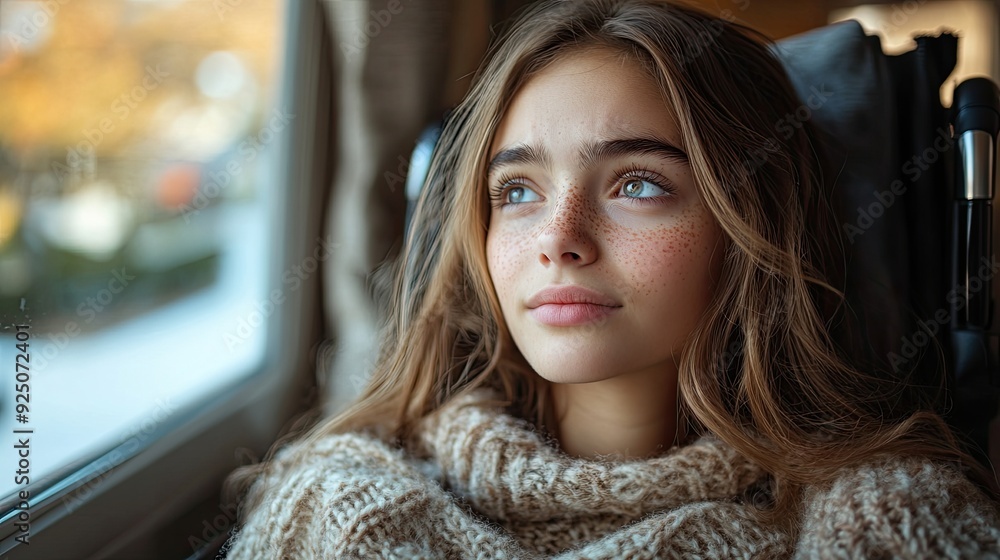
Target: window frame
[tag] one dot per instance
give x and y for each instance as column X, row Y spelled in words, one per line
column 135, row 507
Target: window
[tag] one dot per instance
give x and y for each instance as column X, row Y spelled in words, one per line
column 141, row 190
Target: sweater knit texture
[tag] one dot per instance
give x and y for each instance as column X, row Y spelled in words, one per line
column 485, row 485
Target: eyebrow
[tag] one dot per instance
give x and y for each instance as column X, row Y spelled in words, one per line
column 590, row 155
column 597, row 152
column 520, row 154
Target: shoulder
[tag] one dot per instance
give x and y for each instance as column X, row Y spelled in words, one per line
column 355, row 496
column 320, row 488
column 901, row 507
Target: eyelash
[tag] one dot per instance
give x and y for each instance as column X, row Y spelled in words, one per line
column 505, row 181
column 635, row 172
column 497, row 191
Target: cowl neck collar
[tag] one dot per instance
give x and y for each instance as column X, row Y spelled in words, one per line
column 506, row 470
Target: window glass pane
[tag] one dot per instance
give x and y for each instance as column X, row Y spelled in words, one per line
column 139, row 149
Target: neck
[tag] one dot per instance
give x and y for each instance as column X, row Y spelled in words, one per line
column 633, row 415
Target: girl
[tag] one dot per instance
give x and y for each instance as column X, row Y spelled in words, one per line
column 610, row 333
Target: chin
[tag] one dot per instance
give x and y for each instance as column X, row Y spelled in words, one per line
column 573, row 371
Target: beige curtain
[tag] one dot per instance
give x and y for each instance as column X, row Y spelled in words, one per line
column 398, row 65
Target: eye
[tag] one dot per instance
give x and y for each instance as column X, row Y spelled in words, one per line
column 520, row 193
column 641, row 188
column 512, row 191
column 641, row 185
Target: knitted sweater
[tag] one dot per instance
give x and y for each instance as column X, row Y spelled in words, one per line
column 484, row 485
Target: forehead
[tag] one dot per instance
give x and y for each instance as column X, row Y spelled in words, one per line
column 596, row 93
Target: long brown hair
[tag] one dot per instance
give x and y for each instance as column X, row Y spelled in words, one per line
column 762, row 371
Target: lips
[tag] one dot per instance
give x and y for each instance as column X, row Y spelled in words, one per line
column 568, row 295
column 565, row 306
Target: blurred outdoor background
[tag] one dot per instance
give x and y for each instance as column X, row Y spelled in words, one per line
column 138, row 154
column 117, row 124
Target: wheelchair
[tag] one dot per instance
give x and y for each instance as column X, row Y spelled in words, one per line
column 913, row 196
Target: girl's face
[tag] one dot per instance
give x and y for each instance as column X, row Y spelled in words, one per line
column 599, row 247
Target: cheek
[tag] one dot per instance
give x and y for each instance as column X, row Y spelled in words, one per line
column 675, row 263
column 503, row 252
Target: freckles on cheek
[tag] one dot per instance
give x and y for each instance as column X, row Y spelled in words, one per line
column 503, row 252
column 669, row 258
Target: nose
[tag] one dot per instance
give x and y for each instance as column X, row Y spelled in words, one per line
column 567, row 238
